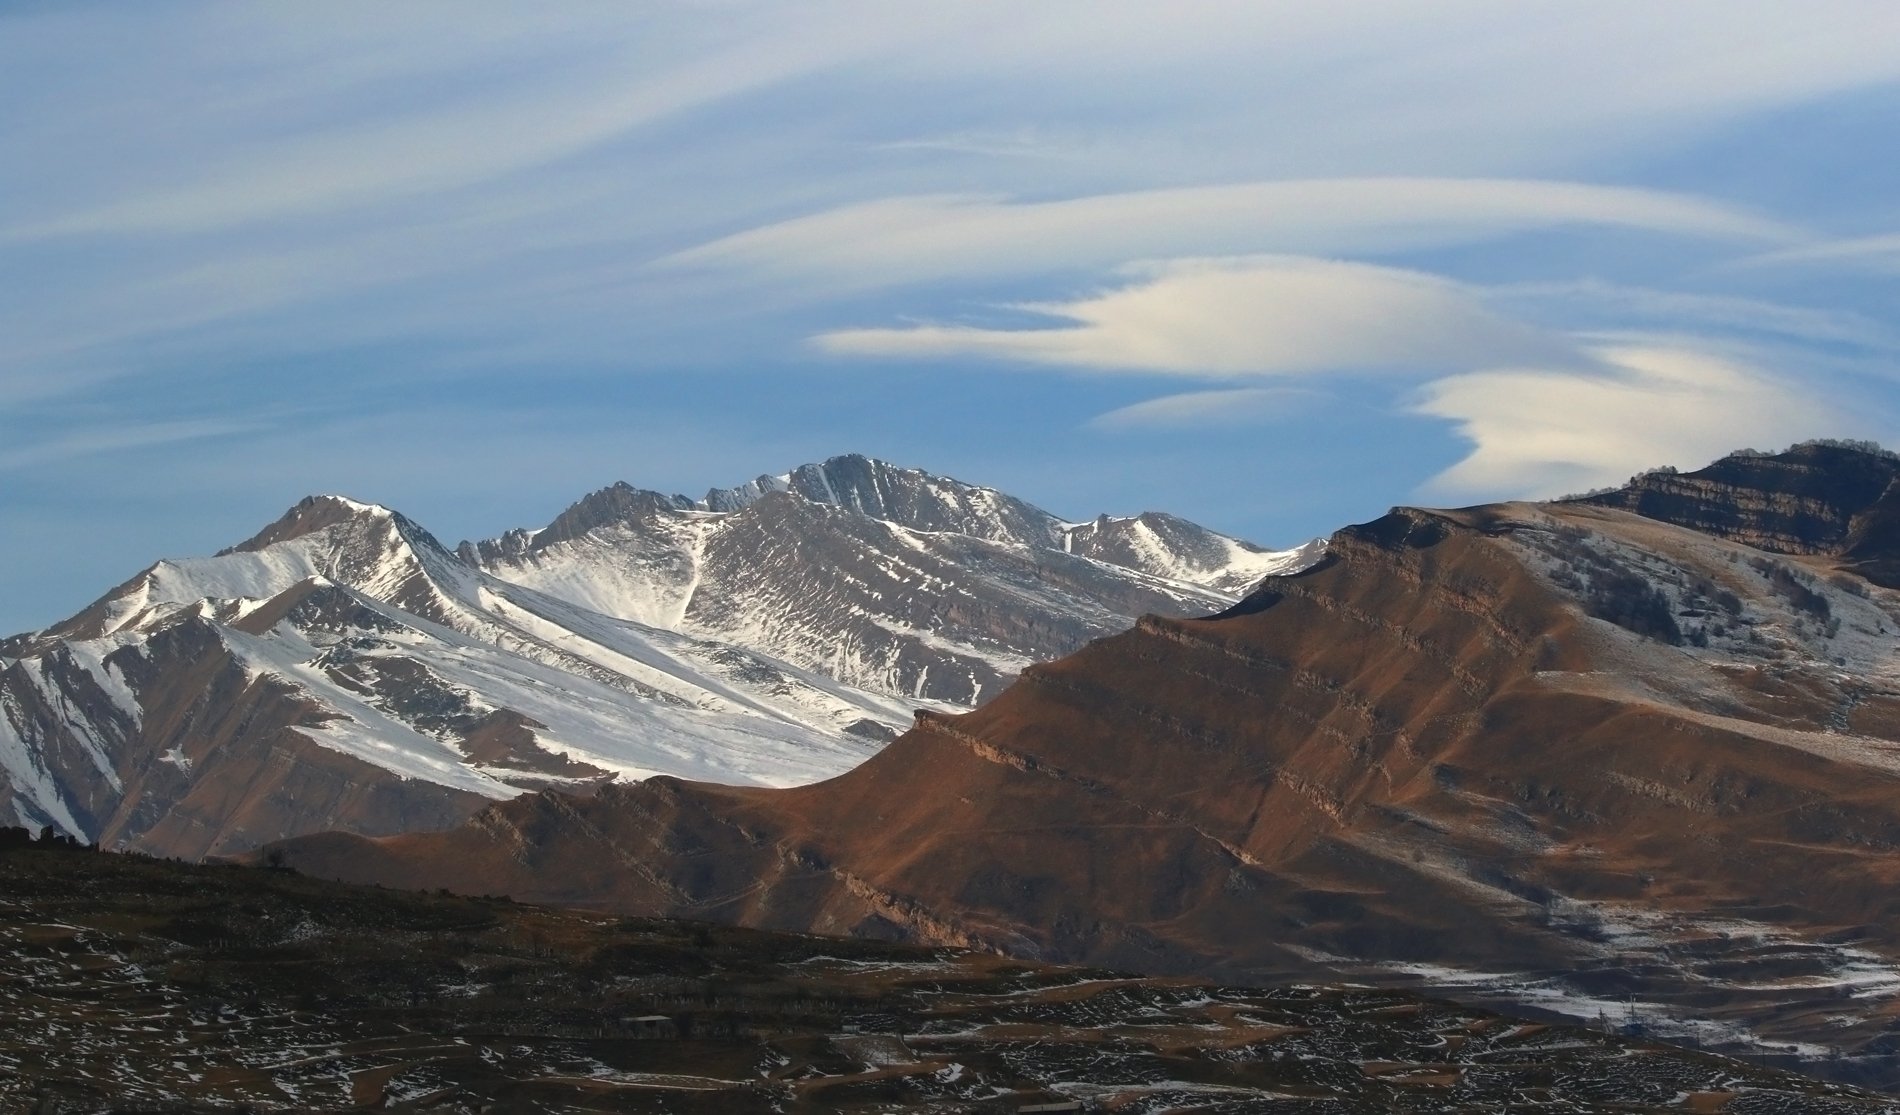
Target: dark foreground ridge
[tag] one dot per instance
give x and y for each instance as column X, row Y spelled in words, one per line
column 133, row 984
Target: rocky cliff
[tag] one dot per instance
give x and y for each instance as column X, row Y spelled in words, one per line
column 1840, row 499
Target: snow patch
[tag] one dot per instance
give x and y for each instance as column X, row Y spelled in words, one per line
column 27, row 775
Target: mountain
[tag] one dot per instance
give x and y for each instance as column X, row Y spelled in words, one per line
column 885, row 578
column 1600, row 756
column 344, row 670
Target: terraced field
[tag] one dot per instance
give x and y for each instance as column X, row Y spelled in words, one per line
column 130, row 984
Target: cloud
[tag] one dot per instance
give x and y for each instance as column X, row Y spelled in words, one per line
column 381, row 161
column 1257, row 316
column 441, row 199
column 1620, row 305
column 1199, row 410
column 1879, row 252
column 917, row 239
column 229, row 114
column 121, row 437
column 1023, row 142
column 1538, row 433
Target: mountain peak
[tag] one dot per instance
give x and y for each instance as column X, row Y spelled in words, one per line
column 308, row 516
column 618, row 502
column 909, row 497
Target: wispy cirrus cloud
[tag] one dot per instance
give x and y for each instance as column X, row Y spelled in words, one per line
column 921, row 239
column 1881, row 252
column 441, row 144
column 98, row 440
column 1588, row 303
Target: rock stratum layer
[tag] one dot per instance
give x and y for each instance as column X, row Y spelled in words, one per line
column 1564, row 755
column 1835, row 499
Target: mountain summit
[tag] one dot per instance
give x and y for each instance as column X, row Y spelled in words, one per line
column 342, row 669
column 906, row 496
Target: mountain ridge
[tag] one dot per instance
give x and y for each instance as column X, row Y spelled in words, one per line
column 890, row 624
column 1825, row 497
column 341, row 668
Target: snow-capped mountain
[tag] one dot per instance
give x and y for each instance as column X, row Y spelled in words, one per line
column 886, row 578
column 344, row 670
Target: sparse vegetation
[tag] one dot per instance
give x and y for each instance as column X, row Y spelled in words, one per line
column 13, row 838
column 1857, row 445
column 1872, row 448
column 134, row 984
column 1628, row 600
column 1611, row 590
column 1794, row 587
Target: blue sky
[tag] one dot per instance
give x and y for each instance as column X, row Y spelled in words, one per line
column 1274, row 267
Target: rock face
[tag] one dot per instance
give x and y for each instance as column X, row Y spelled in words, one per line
column 1832, row 499
column 344, row 670
column 1564, row 755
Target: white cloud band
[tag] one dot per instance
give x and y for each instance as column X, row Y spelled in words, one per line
column 917, row 239
column 1257, row 316
column 1538, row 433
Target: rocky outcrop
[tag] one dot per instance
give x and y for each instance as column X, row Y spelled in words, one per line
column 1835, row 499
column 906, row 496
